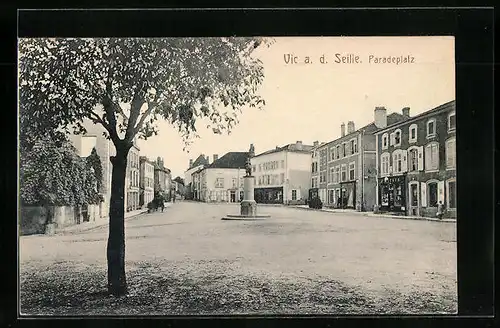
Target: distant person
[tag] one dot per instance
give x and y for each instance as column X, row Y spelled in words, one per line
column 440, row 210
column 173, row 197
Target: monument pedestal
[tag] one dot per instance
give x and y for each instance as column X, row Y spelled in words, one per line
column 248, row 209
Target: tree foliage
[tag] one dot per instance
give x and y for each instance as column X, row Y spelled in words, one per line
column 55, row 175
column 136, row 82
column 94, row 164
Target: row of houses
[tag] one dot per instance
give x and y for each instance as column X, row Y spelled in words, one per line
column 144, row 177
column 282, row 175
column 397, row 163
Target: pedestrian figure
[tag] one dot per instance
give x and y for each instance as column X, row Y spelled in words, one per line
column 173, row 198
column 440, row 210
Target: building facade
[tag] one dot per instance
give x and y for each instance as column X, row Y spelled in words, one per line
column 194, row 165
column 283, row 175
column 416, row 162
column 132, row 178
column 162, row 178
column 146, row 182
column 346, row 167
column 94, row 139
column 221, row 181
column 314, row 191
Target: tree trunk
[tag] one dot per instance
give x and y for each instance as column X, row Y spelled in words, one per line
column 117, row 284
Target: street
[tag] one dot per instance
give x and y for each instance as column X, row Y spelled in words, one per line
column 187, row 260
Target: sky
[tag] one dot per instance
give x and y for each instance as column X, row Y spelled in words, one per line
column 309, row 102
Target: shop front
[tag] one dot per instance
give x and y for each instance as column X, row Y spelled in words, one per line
column 392, row 194
column 347, row 196
column 269, row 195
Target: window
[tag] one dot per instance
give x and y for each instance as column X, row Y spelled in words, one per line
column 397, row 137
column 260, row 167
column 413, row 154
column 253, row 168
column 452, row 194
column 282, row 163
column 397, row 162
column 331, row 174
column 354, row 146
column 385, row 163
column 352, row 174
column 322, row 177
column 331, row 196
column 234, row 182
column 219, row 183
column 432, row 193
column 344, row 172
column 451, row 122
column 294, row 194
column 412, row 133
column 450, row 153
column 282, row 178
column 337, row 174
column 432, row 156
column 431, row 128
column 385, row 141
column 344, row 149
column 338, row 151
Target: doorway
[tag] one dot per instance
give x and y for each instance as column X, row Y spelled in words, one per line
column 414, row 199
column 233, row 196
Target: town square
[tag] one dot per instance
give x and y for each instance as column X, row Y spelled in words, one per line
column 209, row 176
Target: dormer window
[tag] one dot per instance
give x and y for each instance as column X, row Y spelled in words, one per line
column 431, row 128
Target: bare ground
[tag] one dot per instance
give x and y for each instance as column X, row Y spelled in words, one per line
column 188, row 261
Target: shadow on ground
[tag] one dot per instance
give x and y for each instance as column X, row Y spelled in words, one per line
column 66, row 289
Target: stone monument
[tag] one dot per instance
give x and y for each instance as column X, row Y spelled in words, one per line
column 248, row 206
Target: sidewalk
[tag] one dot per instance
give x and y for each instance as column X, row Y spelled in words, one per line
column 87, row 226
column 371, row 214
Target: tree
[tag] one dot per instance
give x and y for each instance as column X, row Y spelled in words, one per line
column 54, row 175
column 126, row 85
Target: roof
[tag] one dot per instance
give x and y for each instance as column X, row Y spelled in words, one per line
column 290, row 147
column 201, row 160
column 445, row 106
column 231, row 160
column 392, row 118
column 179, row 180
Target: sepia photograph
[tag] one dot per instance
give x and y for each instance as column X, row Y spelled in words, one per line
column 237, row 176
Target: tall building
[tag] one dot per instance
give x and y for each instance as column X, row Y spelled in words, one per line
column 283, row 175
column 343, row 173
column 221, row 181
column 146, row 181
column 416, row 162
column 132, row 178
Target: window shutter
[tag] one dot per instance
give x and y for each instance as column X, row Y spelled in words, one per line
column 423, row 194
column 298, row 193
column 420, row 158
column 441, row 192
column 404, row 163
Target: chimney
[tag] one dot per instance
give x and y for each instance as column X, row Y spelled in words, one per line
column 342, row 129
column 350, row 127
column 380, row 117
column 406, row 112
column 298, row 145
column 191, row 162
column 216, row 157
column 315, row 144
column 208, row 159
